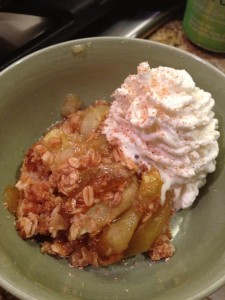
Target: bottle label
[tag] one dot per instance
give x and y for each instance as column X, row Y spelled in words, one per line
column 204, row 23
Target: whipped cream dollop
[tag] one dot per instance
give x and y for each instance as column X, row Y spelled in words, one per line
column 160, row 118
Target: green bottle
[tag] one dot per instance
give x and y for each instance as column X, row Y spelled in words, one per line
column 204, row 24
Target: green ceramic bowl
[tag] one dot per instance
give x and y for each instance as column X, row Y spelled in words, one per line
column 32, row 90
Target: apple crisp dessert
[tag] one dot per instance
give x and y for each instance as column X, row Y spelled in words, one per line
column 86, row 201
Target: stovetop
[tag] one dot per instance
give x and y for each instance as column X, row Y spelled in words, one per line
column 29, row 25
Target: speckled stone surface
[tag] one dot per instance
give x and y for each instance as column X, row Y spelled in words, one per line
column 172, row 34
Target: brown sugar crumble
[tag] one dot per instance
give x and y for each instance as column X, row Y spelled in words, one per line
column 85, row 199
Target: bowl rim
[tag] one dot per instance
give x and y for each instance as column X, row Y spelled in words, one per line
column 110, row 39
column 9, row 285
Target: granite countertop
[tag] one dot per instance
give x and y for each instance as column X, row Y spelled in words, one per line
column 172, row 34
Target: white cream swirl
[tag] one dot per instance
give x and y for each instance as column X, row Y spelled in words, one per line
column 159, row 117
